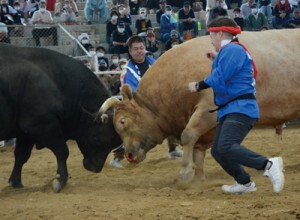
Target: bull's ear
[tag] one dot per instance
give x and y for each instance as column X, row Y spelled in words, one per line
column 126, row 92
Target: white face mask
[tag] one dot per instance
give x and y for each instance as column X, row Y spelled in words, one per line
column 100, row 54
column 17, row 8
column 174, row 45
column 114, row 17
column 121, row 30
column 254, row 10
column 115, row 61
column 169, row 12
column 123, row 66
column 42, row 10
column 142, row 16
column 282, row 2
column 92, row 53
column 85, row 41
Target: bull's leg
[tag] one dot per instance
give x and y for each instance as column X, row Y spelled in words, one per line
column 200, row 123
column 199, row 163
column 61, row 152
column 22, row 153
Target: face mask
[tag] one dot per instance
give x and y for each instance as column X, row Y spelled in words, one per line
column 114, row 17
column 174, row 45
column 85, row 41
column 236, row 15
column 254, row 10
column 115, row 61
column 17, row 8
column 102, row 68
column 123, row 66
column 169, row 12
column 282, row 2
column 100, row 54
column 142, row 16
column 121, row 30
column 92, row 53
column 42, row 10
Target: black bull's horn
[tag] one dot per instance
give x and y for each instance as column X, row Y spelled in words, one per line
column 110, row 102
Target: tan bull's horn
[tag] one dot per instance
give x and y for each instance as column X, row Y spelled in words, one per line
column 111, row 102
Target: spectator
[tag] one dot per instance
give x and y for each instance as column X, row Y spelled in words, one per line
column 116, row 3
column 256, row 20
column 152, row 5
column 95, row 10
column 142, row 23
column 265, row 7
column 238, row 18
column 6, row 13
column 111, row 26
column 281, row 14
column 211, row 4
column 41, row 18
column 19, row 16
column 228, row 3
column 68, row 15
column 151, row 43
column 167, row 24
column 294, row 4
column 161, row 11
column 174, row 37
column 24, row 8
column 134, row 6
column 294, row 22
column 187, row 20
column 219, row 10
column 100, row 52
column 4, row 34
column 115, row 61
column 33, row 6
column 85, row 41
column 125, row 17
column 246, row 9
column 60, row 4
column 119, row 39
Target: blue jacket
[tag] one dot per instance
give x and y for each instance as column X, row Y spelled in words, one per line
column 167, row 23
column 232, row 76
column 132, row 75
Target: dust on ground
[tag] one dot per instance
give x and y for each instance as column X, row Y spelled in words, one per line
column 151, row 190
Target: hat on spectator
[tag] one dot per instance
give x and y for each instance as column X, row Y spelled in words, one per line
column 42, row 2
column 162, row 1
column 254, row 5
column 83, row 35
column 186, row 4
column 168, row 8
column 100, row 48
column 174, row 33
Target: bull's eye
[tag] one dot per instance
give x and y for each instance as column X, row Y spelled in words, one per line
column 122, row 121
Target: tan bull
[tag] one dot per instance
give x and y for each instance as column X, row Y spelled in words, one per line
column 163, row 106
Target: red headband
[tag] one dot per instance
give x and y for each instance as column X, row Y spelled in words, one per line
column 228, row 29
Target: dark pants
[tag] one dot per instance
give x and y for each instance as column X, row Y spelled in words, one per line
column 227, row 151
column 118, row 49
column 37, row 33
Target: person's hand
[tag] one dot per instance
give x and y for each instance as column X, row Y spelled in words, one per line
column 211, row 55
column 192, row 87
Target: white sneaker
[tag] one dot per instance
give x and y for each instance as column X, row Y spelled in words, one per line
column 275, row 174
column 239, row 188
column 116, row 163
column 175, row 153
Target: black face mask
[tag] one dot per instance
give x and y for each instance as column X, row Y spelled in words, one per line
column 102, row 68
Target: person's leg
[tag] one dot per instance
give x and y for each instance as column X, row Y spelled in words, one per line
column 53, row 32
column 181, row 28
column 228, row 152
column 195, row 28
column 36, row 37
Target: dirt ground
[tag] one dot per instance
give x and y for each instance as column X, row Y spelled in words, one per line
column 151, row 190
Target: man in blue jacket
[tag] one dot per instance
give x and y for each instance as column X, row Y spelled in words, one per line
column 233, row 82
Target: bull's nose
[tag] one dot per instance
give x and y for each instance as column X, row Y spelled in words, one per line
column 130, row 158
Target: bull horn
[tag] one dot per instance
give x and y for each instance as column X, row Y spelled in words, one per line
column 111, row 102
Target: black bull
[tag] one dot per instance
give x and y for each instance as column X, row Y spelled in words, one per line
column 45, row 100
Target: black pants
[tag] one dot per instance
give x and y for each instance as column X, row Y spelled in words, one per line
column 37, row 33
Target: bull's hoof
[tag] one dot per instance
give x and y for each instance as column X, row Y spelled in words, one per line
column 58, row 185
column 187, row 174
column 15, row 185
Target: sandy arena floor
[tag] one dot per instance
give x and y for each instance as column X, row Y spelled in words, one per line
column 151, row 190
